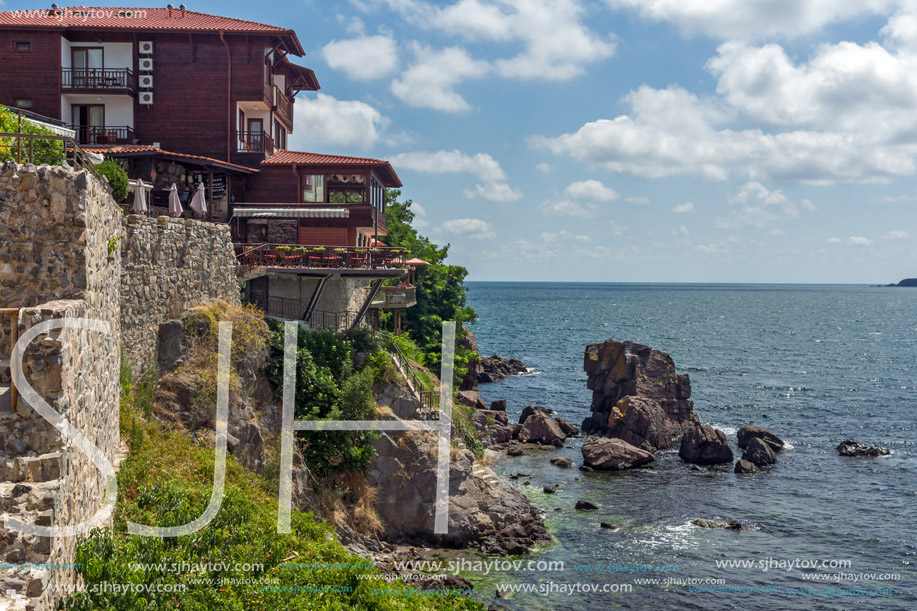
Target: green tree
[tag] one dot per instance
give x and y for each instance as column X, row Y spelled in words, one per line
column 50, row 152
column 441, row 291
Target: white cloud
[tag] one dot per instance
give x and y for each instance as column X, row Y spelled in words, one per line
column 760, row 207
column 726, row 19
column 325, row 120
column 853, row 240
column 684, row 208
column 556, row 45
column 682, row 231
column 673, row 132
column 896, row 235
column 543, row 168
column 473, row 229
column 492, row 184
column 616, row 228
column 418, row 209
column 364, row 58
column 429, row 82
column 638, row 200
column 592, row 190
column 568, row 208
column 563, row 236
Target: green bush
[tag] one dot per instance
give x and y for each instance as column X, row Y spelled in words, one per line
column 49, row 152
column 117, row 178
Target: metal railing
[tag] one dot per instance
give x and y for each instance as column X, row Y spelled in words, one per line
column 104, row 134
column 13, row 314
column 98, row 78
column 338, row 322
column 396, row 296
column 47, row 149
column 318, row 257
column 429, row 399
column 285, row 307
column 254, row 142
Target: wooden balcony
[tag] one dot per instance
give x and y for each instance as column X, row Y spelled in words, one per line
column 283, row 105
column 98, row 80
column 254, row 142
column 300, row 257
column 108, row 134
column 392, row 297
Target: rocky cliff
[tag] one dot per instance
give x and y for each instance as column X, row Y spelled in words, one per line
column 637, row 396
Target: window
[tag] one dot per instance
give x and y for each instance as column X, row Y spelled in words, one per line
column 23, row 102
column 22, row 46
column 313, row 188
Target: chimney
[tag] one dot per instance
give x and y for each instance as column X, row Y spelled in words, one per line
column 171, row 8
column 182, row 7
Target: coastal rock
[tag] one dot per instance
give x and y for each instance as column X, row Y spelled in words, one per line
column 482, row 506
column 568, row 429
column 637, row 395
column 705, row 445
column 514, row 450
column 533, row 409
column 759, row 453
column 850, row 447
column 498, row 405
column 610, row 454
column 493, row 427
column 729, row 525
column 585, row 506
column 743, row 467
column 471, row 398
column 607, row 526
column 563, row 462
column 541, row 429
column 495, row 368
column 549, row 489
column 749, row 432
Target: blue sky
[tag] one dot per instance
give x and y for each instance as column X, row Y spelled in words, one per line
column 628, row 140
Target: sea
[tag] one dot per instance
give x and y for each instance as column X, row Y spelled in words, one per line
column 816, row 364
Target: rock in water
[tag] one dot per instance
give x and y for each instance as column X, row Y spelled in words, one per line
column 549, row 489
column 637, row 395
column 585, row 506
column 743, row 467
column 494, row 368
column 850, row 447
column 498, row 405
column 749, row 432
column 533, row 409
column 562, row 461
column 568, row 429
column 731, row 525
column 539, row 428
column 759, row 453
column 611, row 454
column 705, row 445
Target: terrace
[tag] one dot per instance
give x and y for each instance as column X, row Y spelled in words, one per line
column 301, row 258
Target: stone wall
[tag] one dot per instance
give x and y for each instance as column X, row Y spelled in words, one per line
column 170, row 265
column 56, row 227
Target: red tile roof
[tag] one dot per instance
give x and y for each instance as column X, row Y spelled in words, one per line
column 128, row 150
column 285, row 157
column 142, row 19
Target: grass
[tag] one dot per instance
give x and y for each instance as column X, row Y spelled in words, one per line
column 238, row 562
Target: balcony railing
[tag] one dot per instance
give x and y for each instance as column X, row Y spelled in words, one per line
column 254, row 142
column 107, row 134
column 318, row 257
column 99, row 79
column 394, row 296
column 282, row 104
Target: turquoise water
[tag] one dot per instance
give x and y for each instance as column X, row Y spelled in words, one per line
column 816, row 364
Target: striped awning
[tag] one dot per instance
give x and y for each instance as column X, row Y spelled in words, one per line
column 291, row 212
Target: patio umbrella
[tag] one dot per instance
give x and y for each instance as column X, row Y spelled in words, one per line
column 199, row 202
column 139, row 198
column 416, row 262
column 175, row 208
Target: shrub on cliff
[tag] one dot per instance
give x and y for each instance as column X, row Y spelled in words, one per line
column 117, row 178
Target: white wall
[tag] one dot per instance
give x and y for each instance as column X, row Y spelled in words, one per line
column 117, row 55
column 119, row 109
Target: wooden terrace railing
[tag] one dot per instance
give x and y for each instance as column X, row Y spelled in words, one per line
column 318, row 257
column 47, row 149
